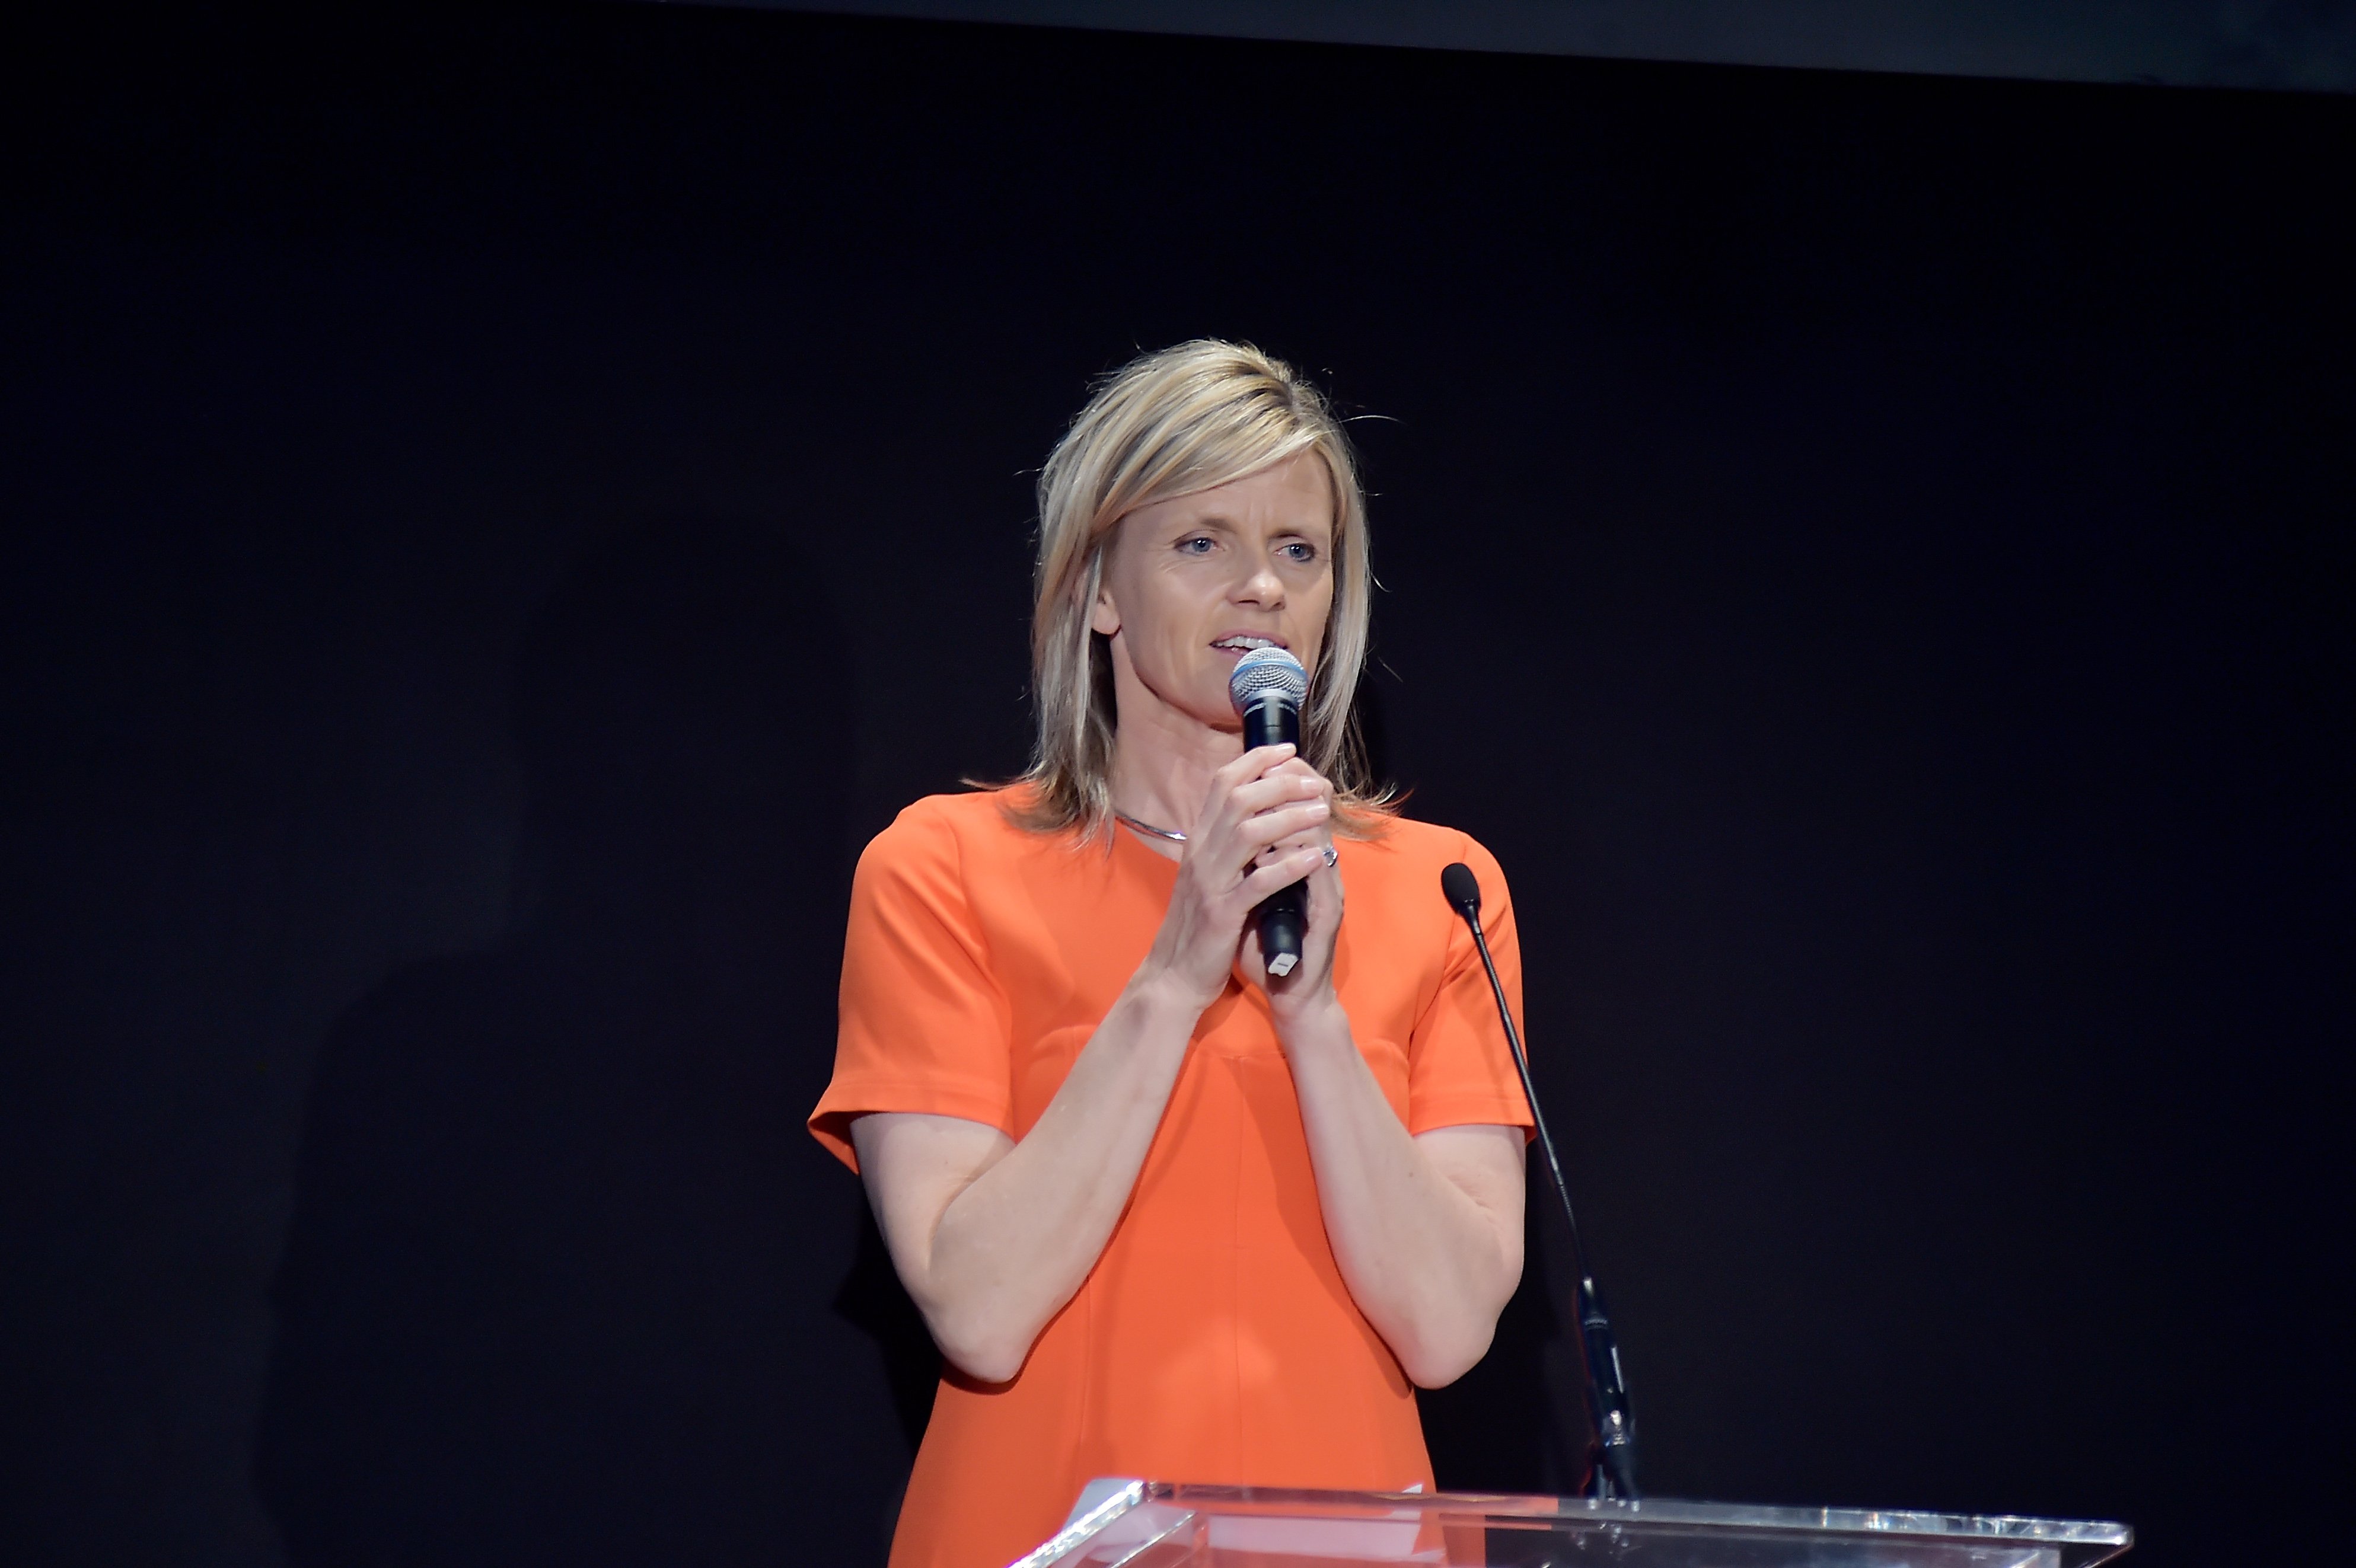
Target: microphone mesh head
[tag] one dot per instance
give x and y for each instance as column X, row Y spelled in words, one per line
column 1264, row 670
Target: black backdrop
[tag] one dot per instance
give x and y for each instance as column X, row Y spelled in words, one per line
column 503, row 504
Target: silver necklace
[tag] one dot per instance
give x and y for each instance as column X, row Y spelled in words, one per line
column 1331, row 859
column 1148, row 827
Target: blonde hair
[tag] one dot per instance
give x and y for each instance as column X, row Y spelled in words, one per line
column 1188, row 419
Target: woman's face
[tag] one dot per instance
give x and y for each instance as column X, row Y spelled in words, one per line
column 1193, row 583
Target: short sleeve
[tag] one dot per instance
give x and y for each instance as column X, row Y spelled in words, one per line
column 923, row 1025
column 1459, row 1070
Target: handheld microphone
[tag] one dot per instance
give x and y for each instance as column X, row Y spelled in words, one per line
column 1612, row 1452
column 1268, row 687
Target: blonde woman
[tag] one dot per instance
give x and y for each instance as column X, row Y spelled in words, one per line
column 1165, row 1216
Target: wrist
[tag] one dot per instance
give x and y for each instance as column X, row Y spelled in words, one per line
column 1313, row 1025
column 1158, row 991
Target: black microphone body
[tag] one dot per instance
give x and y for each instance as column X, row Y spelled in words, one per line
column 1611, row 1452
column 1273, row 718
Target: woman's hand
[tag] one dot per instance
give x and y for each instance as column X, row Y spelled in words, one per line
column 1261, row 829
column 992, row 1236
column 1309, row 987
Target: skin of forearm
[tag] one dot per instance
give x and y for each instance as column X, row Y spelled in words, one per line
column 1428, row 1264
column 1014, row 1244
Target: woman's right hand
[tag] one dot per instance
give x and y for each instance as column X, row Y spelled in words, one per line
column 1262, row 798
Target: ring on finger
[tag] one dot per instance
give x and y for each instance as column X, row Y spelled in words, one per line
column 1332, row 857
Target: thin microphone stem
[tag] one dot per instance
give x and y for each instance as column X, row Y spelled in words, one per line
column 1612, row 1460
column 1530, row 1093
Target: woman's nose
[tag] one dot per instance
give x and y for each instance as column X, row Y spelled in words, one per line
column 1262, row 586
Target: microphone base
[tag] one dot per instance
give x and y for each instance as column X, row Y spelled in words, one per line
column 1282, row 923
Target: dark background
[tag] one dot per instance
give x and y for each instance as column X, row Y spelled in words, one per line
column 502, row 505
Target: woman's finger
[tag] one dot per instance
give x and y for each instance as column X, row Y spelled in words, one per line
column 1252, row 764
column 1318, row 831
column 1292, row 827
column 1278, row 783
column 1294, row 767
column 1221, row 832
column 1278, row 875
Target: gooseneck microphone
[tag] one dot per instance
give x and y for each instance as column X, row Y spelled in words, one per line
column 1611, row 1452
column 1268, row 687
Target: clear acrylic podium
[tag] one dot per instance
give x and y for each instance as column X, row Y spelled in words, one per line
column 1160, row 1524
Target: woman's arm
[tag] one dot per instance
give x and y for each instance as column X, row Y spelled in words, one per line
column 1427, row 1229
column 992, row 1236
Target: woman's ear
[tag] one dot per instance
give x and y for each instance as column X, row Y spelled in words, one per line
column 1104, row 616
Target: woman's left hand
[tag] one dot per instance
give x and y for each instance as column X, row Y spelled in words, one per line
column 1311, row 984
column 1427, row 1230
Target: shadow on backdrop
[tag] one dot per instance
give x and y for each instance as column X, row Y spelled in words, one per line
column 566, row 1279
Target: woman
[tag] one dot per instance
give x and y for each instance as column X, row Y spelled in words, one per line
column 1164, row 1216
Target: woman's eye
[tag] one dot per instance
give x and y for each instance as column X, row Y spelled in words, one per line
column 1302, row 552
column 1198, row 545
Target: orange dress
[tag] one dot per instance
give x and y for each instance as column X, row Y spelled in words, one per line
column 1214, row 1340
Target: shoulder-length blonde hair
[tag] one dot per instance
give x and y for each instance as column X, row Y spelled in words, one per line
column 1187, row 419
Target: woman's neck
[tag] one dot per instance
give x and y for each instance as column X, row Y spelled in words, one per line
column 1163, row 761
